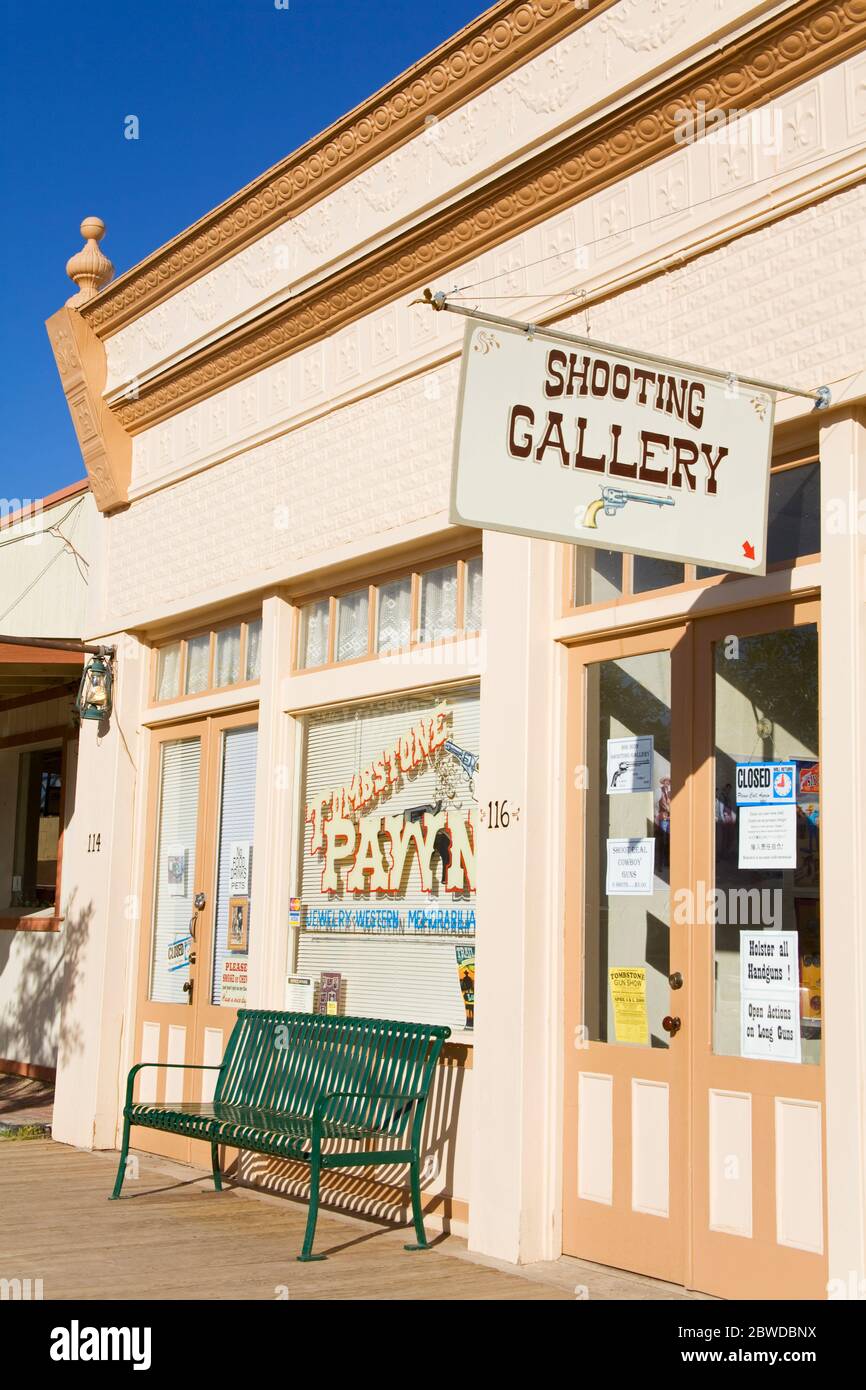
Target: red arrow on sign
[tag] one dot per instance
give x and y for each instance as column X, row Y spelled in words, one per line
column 748, row 550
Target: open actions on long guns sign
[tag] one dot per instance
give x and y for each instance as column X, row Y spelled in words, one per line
column 591, row 447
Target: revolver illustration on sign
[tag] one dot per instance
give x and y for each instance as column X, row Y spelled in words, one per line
column 613, row 499
column 468, row 761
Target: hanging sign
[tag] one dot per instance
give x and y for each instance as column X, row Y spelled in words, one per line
column 769, row 995
column 586, row 446
column 630, row 764
column 766, row 784
column 767, row 801
column 177, row 953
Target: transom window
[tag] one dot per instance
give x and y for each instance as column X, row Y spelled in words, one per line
column 223, row 656
column 793, row 531
column 424, row 606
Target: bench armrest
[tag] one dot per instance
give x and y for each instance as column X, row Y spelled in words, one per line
column 182, row 1066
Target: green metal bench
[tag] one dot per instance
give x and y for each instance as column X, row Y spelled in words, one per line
column 291, row 1082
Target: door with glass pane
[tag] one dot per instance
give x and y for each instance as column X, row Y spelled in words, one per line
column 694, row 1097
column 758, row 1093
column 196, row 908
column 626, row 958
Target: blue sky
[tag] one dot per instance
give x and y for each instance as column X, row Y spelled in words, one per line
column 222, row 90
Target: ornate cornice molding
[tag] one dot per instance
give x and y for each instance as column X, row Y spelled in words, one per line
column 105, row 445
column 749, row 72
column 500, row 40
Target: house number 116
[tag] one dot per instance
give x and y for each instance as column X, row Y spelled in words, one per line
column 498, row 815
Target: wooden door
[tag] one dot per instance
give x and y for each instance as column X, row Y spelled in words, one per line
column 757, row 1120
column 196, row 908
column 625, row 1162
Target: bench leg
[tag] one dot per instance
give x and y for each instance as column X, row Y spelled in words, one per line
column 215, row 1160
column 306, row 1254
column 121, row 1167
column 417, row 1214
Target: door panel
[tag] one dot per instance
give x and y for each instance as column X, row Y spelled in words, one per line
column 757, row 1123
column 625, row 1075
column 196, row 909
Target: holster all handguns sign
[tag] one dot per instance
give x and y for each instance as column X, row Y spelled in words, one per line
column 581, row 444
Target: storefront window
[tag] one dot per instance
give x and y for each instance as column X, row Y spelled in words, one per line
column 314, row 633
column 438, row 604
column 168, row 672
column 353, row 611
column 474, row 582
column 394, row 620
column 649, row 573
column 598, row 575
column 767, row 869
column 253, row 662
column 197, row 664
column 627, row 847
column 412, row 610
column 386, row 883
column 227, row 661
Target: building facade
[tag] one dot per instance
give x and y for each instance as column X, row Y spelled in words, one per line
column 357, row 753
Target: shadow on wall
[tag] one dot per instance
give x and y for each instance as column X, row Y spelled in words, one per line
column 385, row 1196
column 44, row 969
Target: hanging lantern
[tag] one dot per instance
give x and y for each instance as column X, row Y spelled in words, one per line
column 94, row 692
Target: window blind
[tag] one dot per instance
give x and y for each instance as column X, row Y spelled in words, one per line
column 174, row 871
column 236, row 827
column 394, row 950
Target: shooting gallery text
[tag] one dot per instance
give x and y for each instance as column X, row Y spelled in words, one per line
column 662, row 458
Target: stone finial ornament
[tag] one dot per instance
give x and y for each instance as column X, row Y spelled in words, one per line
column 89, row 268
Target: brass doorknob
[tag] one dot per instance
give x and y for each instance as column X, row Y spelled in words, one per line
column 671, row 1025
column 675, row 980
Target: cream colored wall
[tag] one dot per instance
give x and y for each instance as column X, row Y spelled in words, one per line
column 43, row 577
column 607, row 61
column 265, row 479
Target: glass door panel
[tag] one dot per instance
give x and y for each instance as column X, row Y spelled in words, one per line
column 232, row 910
column 627, row 846
column 767, row 868
column 174, row 872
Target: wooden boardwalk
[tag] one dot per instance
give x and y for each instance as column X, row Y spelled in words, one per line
column 175, row 1238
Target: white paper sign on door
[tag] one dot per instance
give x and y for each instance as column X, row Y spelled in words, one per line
column 240, row 863
column 630, row 867
column 769, row 996
column 630, row 764
column 768, row 837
